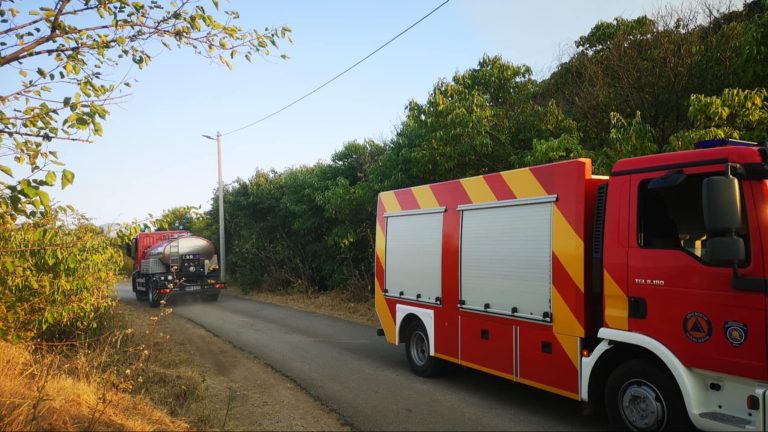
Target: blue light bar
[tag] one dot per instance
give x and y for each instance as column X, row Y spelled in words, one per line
column 723, row 142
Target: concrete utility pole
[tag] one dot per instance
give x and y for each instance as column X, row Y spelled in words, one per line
column 222, row 253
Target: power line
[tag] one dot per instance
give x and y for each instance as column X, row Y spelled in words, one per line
column 338, row 75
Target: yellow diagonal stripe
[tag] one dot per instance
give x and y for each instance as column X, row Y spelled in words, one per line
column 567, row 244
column 523, row 183
column 571, row 346
column 616, row 304
column 382, row 310
column 569, row 248
column 390, row 201
column 478, row 190
column 385, row 316
column 380, row 244
column 565, row 321
column 425, row 197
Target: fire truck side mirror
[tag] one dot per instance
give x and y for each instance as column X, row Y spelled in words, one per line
column 722, row 206
column 128, row 250
column 722, row 219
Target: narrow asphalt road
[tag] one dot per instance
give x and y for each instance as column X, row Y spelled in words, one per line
column 367, row 381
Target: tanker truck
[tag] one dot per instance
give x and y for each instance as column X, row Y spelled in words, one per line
column 177, row 262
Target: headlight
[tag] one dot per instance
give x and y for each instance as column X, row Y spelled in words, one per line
column 192, row 268
column 170, row 277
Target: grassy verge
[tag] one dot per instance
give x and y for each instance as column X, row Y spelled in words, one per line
column 331, row 303
column 77, row 386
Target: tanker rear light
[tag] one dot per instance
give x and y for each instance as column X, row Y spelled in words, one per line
column 165, row 291
column 220, row 285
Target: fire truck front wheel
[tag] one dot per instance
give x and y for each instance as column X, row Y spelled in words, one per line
column 417, row 351
column 641, row 396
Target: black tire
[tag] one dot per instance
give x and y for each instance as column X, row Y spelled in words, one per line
column 211, row 297
column 154, row 294
column 417, row 351
column 140, row 295
column 642, row 396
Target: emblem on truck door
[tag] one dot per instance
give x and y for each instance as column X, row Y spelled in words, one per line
column 697, row 327
column 735, row 332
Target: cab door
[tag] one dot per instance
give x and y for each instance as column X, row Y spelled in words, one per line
column 679, row 298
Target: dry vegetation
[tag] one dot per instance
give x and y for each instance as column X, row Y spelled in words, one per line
column 65, row 388
column 333, row 303
column 164, row 374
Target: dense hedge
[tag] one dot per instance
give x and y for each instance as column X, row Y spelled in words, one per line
column 57, row 277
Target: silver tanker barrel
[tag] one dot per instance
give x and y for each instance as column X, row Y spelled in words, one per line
column 197, row 254
column 187, row 245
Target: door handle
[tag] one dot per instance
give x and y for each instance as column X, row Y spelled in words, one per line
column 638, row 308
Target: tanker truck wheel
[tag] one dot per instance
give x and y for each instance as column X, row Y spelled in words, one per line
column 154, row 294
column 140, row 295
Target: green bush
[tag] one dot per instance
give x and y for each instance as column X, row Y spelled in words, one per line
column 57, row 274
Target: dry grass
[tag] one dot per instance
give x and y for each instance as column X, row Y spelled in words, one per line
column 171, row 379
column 45, row 390
column 333, row 303
column 212, row 384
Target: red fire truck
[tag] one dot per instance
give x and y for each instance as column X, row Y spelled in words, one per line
column 175, row 262
column 645, row 290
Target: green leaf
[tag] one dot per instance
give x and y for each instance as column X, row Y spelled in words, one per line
column 50, row 178
column 44, row 198
column 6, row 170
column 67, row 177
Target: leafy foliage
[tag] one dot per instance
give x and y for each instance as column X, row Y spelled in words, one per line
column 63, row 55
column 652, row 64
column 56, row 278
column 736, row 113
column 483, row 120
column 178, row 218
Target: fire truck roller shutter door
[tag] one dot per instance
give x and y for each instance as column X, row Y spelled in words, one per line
column 414, row 254
column 506, row 257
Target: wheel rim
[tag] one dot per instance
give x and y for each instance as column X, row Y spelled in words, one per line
column 641, row 405
column 419, row 348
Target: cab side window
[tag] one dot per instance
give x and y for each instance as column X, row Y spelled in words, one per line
column 672, row 217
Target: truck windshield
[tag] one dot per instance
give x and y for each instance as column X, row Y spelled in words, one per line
column 672, row 217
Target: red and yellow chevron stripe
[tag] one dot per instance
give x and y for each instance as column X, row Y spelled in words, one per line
column 567, row 180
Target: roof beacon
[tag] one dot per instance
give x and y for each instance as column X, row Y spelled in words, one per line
column 723, row 142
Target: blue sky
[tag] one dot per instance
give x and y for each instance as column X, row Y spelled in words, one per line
column 152, row 155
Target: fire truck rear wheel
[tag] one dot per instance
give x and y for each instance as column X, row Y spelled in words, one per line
column 642, row 396
column 417, row 351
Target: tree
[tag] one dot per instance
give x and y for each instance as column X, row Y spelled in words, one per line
column 653, row 65
column 63, row 53
column 178, row 218
column 736, row 113
column 484, row 120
